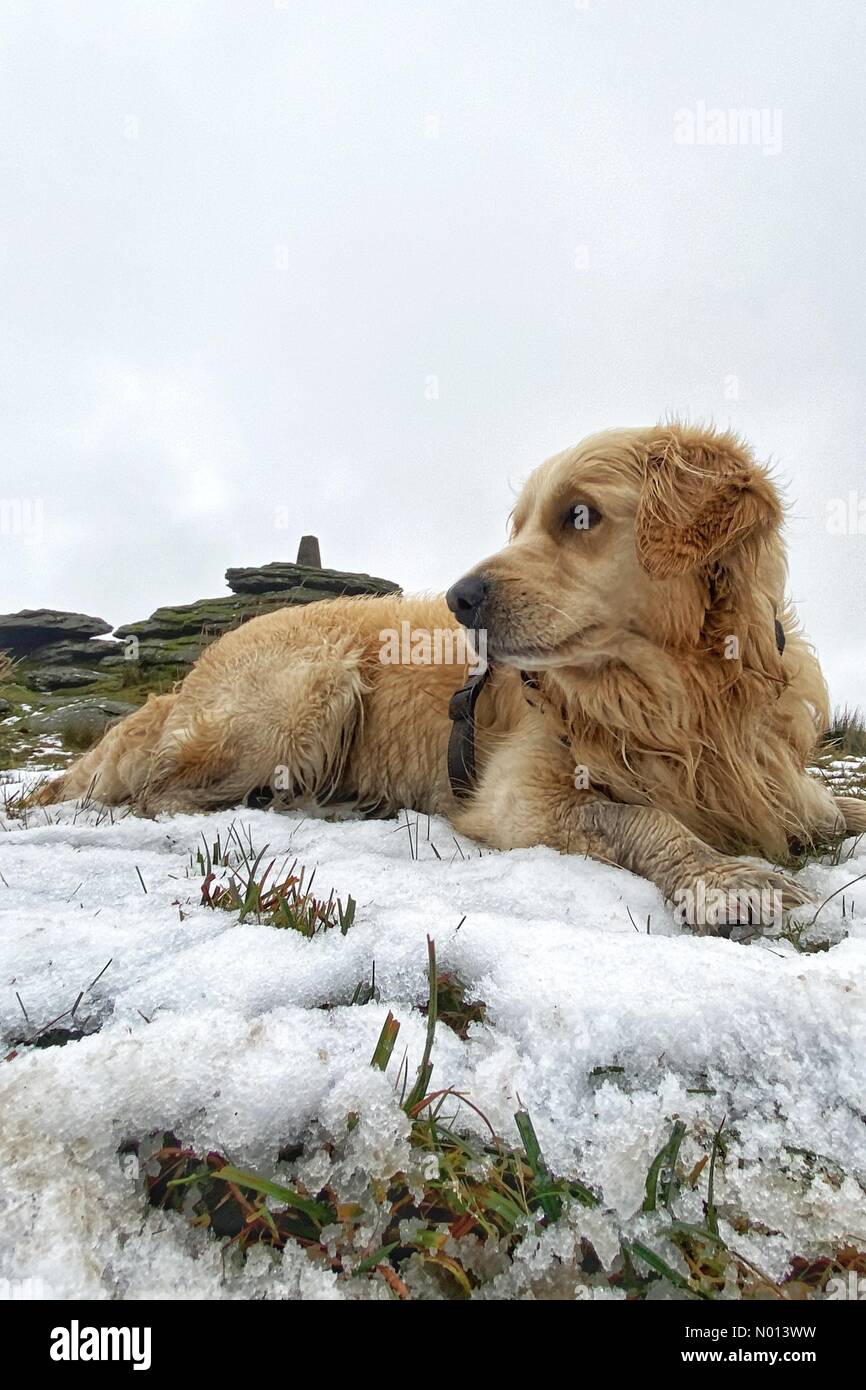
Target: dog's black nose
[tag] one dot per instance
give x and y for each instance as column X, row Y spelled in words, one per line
column 466, row 597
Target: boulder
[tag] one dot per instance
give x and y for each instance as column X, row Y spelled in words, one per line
column 299, row 580
column 61, row 677
column 34, row 627
column 82, row 722
column 192, row 619
column 72, row 652
column 155, row 651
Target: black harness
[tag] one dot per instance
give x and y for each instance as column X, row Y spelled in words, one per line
column 461, row 743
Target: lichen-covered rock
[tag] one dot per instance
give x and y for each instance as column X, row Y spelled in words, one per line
column 61, row 651
column 74, row 651
column 210, row 617
column 62, row 677
column 34, row 627
column 155, row 651
column 81, row 722
column 203, row 616
column 281, row 576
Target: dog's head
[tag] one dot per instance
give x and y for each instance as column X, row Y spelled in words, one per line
column 633, row 533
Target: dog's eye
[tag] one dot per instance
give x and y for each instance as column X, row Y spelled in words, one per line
column 583, row 516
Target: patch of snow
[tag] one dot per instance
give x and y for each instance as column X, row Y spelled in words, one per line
column 217, row 1032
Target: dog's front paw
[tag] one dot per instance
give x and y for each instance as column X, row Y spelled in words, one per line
column 735, row 899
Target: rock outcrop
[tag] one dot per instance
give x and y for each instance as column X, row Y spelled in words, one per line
column 63, row 677
column 66, row 662
column 81, row 722
column 308, row 582
column 21, row 632
column 175, row 636
column 46, row 640
column 73, row 652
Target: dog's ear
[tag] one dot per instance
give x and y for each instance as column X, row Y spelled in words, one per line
column 702, row 493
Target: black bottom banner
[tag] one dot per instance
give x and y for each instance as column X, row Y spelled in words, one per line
column 195, row 1339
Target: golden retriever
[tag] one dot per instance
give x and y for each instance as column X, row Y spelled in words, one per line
column 651, row 700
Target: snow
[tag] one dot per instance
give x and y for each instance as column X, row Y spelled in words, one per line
column 216, row 1031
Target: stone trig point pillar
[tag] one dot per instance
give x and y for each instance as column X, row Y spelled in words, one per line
column 308, row 553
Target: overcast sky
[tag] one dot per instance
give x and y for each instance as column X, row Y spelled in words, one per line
column 355, row 268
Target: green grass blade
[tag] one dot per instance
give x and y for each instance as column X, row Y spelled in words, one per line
column 550, row 1201
column 372, row 1261
column 656, row 1263
column 314, row 1210
column 665, row 1158
column 712, row 1216
column 425, row 1070
column 385, row 1046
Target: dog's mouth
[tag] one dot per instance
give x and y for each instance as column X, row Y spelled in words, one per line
column 532, row 656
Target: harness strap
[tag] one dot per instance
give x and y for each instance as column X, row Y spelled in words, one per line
column 461, row 743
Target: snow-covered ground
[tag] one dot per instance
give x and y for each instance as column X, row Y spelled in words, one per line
column 215, row 1031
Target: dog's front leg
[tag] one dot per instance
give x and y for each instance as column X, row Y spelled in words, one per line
column 712, row 892
column 527, row 796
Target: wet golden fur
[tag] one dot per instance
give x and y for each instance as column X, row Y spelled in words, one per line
column 666, row 732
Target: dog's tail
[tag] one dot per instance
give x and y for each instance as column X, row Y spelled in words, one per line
column 115, row 769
